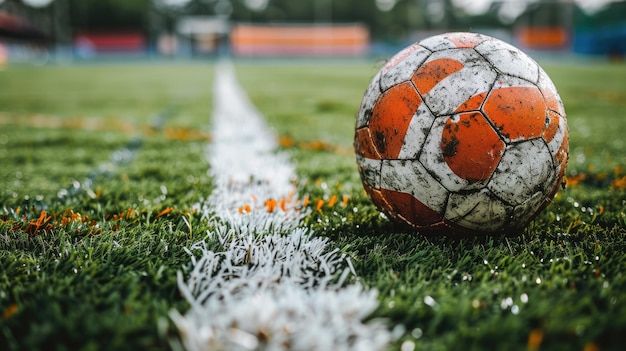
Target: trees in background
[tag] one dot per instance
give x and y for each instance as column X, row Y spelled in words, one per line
column 385, row 18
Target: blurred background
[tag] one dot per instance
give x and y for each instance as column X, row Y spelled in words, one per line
column 68, row 30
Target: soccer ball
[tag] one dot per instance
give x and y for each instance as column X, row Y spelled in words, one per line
column 461, row 133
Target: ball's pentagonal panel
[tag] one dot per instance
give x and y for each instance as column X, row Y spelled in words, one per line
column 516, row 108
column 391, row 117
column 509, row 60
column 449, row 78
column 526, row 168
column 461, row 133
column 454, row 41
column 470, row 146
column 401, row 66
column 370, row 97
column 478, row 211
column 411, row 177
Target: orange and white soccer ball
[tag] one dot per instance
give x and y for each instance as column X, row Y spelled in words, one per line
column 461, row 133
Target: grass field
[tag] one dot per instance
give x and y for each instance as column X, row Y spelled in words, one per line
column 102, row 165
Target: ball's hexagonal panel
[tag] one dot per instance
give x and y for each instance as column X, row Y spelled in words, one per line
column 556, row 135
column 449, row 78
column 551, row 128
column 437, row 154
column 370, row 170
column 458, row 40
column 516, row 108
column 526, row 168
column 381, row 202
column 409, row 210
column 479, row 211
column 416, row 134
column 472, row 104
column 509, row 60
column 411, row 177
column 471, row 147
column 372, row 94
column 402, row 65
column 391, row 117
column 364, row 144
column 550, row 95
column 528, row 209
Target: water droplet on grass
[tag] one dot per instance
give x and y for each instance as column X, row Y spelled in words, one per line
column 580, row 329
column 417, row 333
column 524, row 298
column 506, row 303
column 398, row 331
column 429, row 301
column 407, row 345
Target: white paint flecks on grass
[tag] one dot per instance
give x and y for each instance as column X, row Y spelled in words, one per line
column 261, row 280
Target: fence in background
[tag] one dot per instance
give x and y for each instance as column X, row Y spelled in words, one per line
column 299, row 40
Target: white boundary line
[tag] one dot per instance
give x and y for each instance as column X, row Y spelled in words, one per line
column 261, row 280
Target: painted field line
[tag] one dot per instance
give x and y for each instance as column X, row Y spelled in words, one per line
column 261, row 280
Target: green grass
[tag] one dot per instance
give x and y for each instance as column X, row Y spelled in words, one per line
column 100, row 272
column 105, row 279
column 563, row 274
